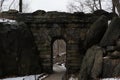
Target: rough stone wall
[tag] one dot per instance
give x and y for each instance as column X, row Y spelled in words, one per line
column 72, row 28
column 49, row 26
column 46, row 36
column 18, row 53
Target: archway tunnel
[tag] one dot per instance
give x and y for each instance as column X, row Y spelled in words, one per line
column 59, row 55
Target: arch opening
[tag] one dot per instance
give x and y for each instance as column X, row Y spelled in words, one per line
column 59, row 55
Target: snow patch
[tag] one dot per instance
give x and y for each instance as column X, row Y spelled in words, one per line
column 73, row 77
column 109, row 22
column 59, row 68
column 111, row 79
column 62, row 53
column 30, row 77
column 7, row 20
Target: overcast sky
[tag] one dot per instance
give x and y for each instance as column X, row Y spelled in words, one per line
column 49, row 5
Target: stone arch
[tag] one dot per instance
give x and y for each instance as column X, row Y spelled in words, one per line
column 54, row 39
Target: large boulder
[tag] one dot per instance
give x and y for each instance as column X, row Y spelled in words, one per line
column 96, row 32
column 111, row 68
column 92, row 64
column 18, row 52
column 97, row 66
column 112, row 33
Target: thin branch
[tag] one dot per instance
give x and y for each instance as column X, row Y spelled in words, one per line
column 2, row 1
column 11, row 4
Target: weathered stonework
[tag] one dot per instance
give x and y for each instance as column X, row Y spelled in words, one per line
column 52, row 26
column 49, row 26
column 18, row 52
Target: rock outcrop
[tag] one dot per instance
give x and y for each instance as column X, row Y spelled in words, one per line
column 92, row 64
column 111, row 68
column 112, row 33
column 96, row 32
column 18, row 52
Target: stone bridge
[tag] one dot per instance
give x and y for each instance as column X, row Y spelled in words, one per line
column 51, row 26
column 47, row 27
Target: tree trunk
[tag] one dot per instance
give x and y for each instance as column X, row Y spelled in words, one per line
column 20, row 5
column 95, row 5
column 100, row 4
column 1, row 4
column 113, row 8
column 117, row 5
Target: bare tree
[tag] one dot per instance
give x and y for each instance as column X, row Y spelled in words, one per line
column 90, row 5
column 113, row 7
column 21, row 5
column 116, row 3
column 11, row 4
column 80, row 5
column 73, row 7
column 1, row 4
column 99, row 1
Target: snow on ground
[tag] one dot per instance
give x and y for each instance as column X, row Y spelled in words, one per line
column 59, row 68
column 73, row 77
column 109, row 22
column 31, row 77
column 61, row 54
column 111, row 79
